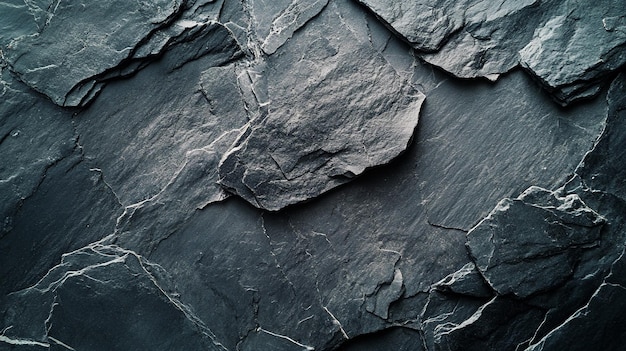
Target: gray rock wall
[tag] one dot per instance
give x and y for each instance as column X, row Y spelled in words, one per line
column 312, row 175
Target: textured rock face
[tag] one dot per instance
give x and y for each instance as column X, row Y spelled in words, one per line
column 594, row 37
column 75, row 43
column 569, row 46
column 530, row 244
column 305, row 142
column 297, row 175
column 100, row 280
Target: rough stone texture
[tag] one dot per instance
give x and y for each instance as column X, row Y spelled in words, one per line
column 42, row 166
column 466, row 281
column 563, row 292
column 108, row 282
column 572, row 51
column 599, row 182
column 514, row 128
column 604, row 310
column 75, row 42
column 569, row 46
column 426, row 25
column 288, row 20
column 28, row 149
column 188, row 117
column 117, row 235
column 304, row 143
column 530, row 244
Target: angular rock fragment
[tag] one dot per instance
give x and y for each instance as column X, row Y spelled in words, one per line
column 496, row 325
column 444, row 312
column 378, row 304
column 574, row 49
column 78, row 42
column 466, row 281
column 601, row 320
column 570, row 46
column 334, row 108
column 488, row 45
column 210, row 39
column 469, row 38
column 603, row 168
column 529, row 244
column 426, row 25
column 129, row 302
column 591, row 302
column 562, row 305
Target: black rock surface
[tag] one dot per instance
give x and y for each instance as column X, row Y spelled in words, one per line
column 302, row 175
column 337, row 110
column 569, row 46
column 531, row 244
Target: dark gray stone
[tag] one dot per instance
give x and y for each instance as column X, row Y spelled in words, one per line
column 78, row 42
column 397, row 338
column 499, row 324
column 306, row 143
column 466, row 38
column 47, row 214
column 570, row 46
column 34, row 135
column 466, row 281
column 601, row 168
column 287, row 21
column 487, row 45
column 563, row 304
column 442, row 313
column 192, row 188
column 19, row 18
column 119, row 200
column 574, row 49
column 530, row 244
column 595, row 290
column 109, row 283
column 486, row 141
column 155, row 119
column 41, row 167
column 425, row 25
column 212, row 40
column 604, row 311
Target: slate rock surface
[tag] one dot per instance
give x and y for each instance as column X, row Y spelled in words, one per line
column 558, row 282
column 530, row 244
column 76, row 42
column 569, row 46
column 305, row 143
column 583, row 44
column 209, row 189
column 608, row 333
column 100, row 279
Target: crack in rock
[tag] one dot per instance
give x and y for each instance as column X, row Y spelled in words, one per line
column 307, row 144
column 530, row 244
column 81, row 41
column 568, row 46
column 99, row 277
